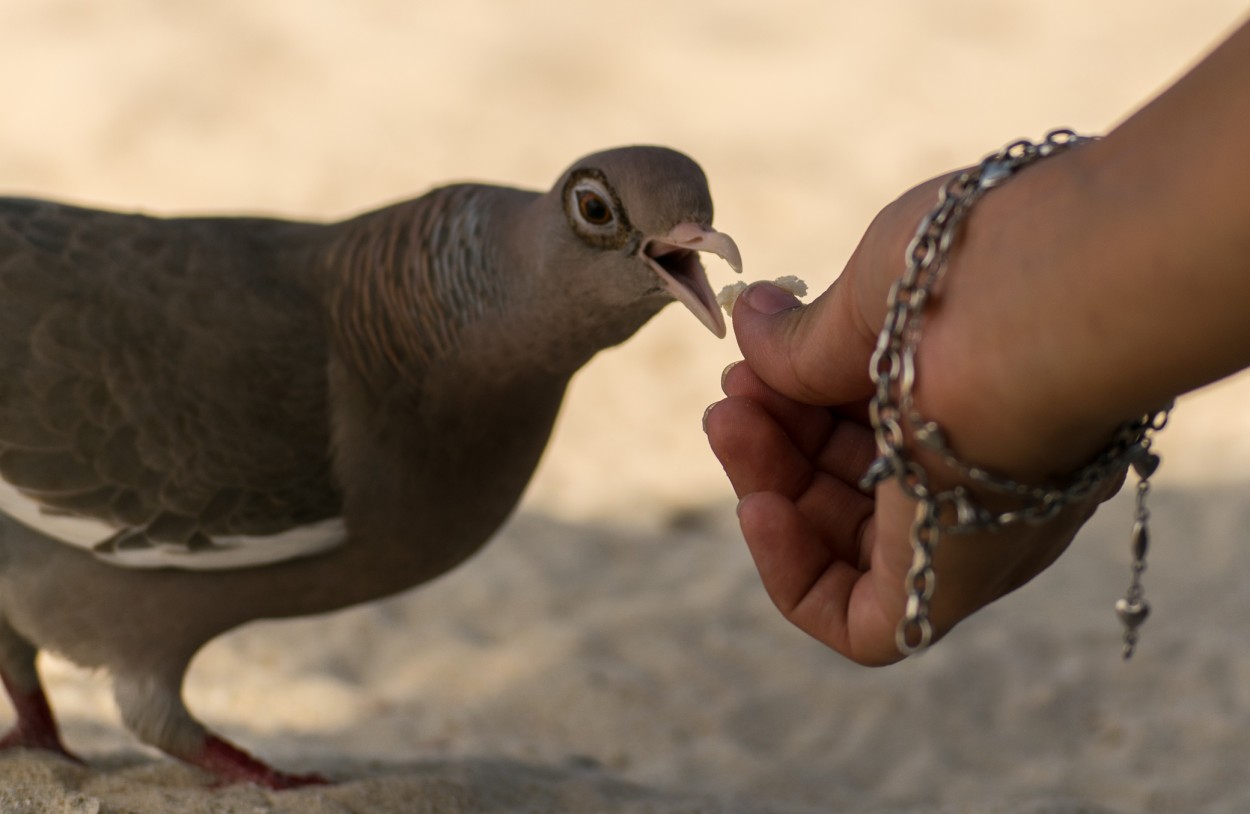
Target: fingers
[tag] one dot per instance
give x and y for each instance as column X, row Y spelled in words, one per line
column 788, row 552
column 839, row 512
column 851, row 449
column 758, row 456
column 824, row 596
column 840, row 445
column 807, row 426
column 814, row 354
column 754, row 450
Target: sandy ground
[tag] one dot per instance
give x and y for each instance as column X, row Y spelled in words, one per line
column 612, row 650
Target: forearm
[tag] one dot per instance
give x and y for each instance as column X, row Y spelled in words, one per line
column 1101, row 283
column 1174, row 182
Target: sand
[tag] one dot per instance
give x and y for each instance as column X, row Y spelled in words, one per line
column 612, row 650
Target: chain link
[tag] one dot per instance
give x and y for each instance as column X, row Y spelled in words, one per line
column 892, row 413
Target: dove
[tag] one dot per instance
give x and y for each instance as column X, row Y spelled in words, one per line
column 206, row 421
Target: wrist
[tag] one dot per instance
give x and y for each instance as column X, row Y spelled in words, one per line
column 1005, row 363
column 1020, row 444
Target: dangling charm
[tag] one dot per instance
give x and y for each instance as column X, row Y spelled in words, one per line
column 1133, row 608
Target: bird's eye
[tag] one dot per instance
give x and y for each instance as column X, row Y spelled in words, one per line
column 593, row 208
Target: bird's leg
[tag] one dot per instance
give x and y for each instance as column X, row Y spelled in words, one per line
column 152, row 708
column 36, row 727
column 230, row 764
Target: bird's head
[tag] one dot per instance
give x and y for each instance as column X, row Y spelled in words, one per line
column 634, row 222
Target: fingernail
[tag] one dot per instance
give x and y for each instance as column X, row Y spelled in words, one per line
column 767, row 298
column 724, row 374
column 741, row 500
column 705, row 415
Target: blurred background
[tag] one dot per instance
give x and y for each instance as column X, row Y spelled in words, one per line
column 626, row 627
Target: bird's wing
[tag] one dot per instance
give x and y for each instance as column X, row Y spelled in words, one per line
column 162, row 388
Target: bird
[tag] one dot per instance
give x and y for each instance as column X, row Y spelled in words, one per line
column 206, row 421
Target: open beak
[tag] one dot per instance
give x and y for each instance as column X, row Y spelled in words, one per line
column 675, row 259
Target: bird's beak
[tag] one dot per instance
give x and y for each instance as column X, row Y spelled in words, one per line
column 675, row 259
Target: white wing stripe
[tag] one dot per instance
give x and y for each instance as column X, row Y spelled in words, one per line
column 84, row 532
column 228, row 551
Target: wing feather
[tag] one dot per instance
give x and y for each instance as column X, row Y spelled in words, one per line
column 162, row 387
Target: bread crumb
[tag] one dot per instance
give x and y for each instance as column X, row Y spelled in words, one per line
column 792, row 284
column 730, row 293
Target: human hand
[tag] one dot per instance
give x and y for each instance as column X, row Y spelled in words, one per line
column 793, row 437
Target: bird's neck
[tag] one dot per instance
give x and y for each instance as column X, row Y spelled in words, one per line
column 455, row 279
column 400, row 286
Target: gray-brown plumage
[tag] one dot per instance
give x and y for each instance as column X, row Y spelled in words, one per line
column 205, row 421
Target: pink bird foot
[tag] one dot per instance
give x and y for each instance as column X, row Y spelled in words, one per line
column 35, row 727
column 230, row 765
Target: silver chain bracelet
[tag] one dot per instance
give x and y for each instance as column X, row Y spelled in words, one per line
column 892, row 413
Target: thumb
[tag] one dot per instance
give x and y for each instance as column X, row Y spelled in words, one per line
column 815, row 353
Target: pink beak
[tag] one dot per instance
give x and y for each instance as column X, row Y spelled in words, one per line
column 675, row 259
